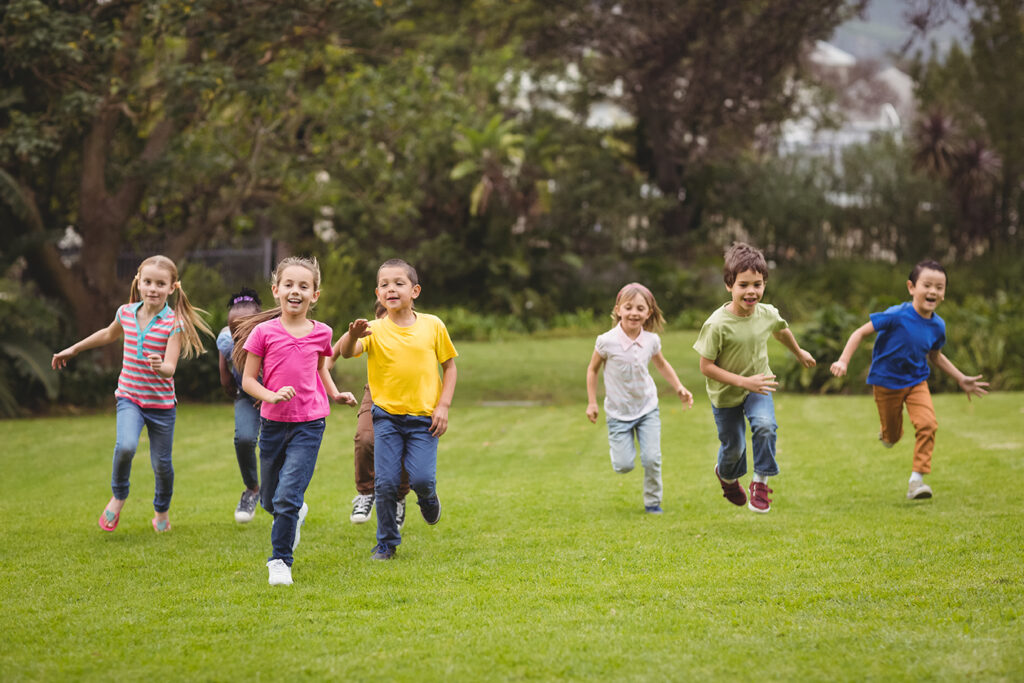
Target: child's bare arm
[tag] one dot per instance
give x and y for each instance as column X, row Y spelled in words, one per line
column 166, row 365
column 789, row 341
column 252, row 386
column 596, row 361
column 101, row 337
column 439, row 418
column 669, row 373
column 350, row 345
column 970, row 384
column 839, row 367
column 757, row 384
column 330, row 387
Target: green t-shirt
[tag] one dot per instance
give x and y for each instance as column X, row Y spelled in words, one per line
column 739, row 345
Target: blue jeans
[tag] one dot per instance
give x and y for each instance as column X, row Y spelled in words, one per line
column 288, row 452
column 247, row 434
column 732, row 455
column 647, row 430
column 399, row 439
column 159, row 424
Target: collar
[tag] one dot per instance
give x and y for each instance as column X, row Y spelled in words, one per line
column 641, row 339
column 162, row 313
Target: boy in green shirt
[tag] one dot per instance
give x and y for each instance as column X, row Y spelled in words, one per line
column 733, row 348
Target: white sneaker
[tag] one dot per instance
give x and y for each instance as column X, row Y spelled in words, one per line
column 362, row 507
column 918, row 490
column 280, row 573
column 400, row 513
column 303, row 511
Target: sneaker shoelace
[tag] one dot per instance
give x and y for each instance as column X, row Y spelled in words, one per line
column 362, row 504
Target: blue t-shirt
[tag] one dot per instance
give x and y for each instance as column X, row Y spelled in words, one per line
column 900, row 356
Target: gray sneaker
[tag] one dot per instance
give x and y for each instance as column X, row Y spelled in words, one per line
column 918, row 490
column 362, row 507
column 246, row 509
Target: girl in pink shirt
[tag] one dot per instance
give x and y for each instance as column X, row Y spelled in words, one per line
column 155, row 335
column 291, row 350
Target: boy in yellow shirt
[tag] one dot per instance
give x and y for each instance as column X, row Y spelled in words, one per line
column 410, row 400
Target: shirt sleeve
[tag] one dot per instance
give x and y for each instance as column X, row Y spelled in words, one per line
column 656, row 345
column 256, row 343
column 443, row 344
column 881, row 321
column 328, row 336
column 601, row 348
column 708, row 342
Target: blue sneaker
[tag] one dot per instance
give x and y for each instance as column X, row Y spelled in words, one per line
column 653, row 509
column 383, row 552
column 431, row 510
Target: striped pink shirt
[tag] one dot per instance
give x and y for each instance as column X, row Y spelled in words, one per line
column 138, row 382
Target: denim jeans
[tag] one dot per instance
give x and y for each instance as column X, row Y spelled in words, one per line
column 398, row 440
column 159, row 424
column 247, row 434
column 288, row 452
column 732, row 455
column 647, row 430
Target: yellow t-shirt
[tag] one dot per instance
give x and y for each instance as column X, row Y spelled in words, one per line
column 401, row 364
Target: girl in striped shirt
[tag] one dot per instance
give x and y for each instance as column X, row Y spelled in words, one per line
column 155, row 336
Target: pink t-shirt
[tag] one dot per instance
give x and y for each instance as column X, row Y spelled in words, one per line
column 291, row 361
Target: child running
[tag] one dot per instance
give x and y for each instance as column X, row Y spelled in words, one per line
column 631, row 398
column 244, row 303
column 733, row 348
column 909, row 335
column 410, row 401
column 155, row 336
column 362, row 504
column 291, row 350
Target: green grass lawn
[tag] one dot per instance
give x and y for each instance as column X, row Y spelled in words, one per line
column 544, row 566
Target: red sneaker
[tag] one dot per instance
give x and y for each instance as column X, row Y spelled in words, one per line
column 732, row 492
column 759, row 500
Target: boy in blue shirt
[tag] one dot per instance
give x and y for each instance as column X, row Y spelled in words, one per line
column 909, row 335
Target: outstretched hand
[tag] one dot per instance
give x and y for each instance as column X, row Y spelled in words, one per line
column 359, row 328
column 971, row 385
column 60, row 359
column 346, row 397
column 806, row 359
column 838, row 368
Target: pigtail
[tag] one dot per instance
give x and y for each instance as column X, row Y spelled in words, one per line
column 191, row 324
column 242, row 328
column 135, row 295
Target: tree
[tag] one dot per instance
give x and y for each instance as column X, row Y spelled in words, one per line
column 121, row 118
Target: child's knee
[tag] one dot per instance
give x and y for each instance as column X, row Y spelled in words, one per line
column 763, row 428
column 622, row 468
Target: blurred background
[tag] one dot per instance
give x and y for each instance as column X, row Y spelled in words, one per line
column 527, row 157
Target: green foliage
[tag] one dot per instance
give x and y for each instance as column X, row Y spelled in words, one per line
column 27, row 331
column 985, row 336
column 824, row 338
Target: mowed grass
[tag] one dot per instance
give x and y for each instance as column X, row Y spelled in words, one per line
column 544, row 566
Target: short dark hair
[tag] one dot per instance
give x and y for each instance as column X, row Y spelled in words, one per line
column 740, row 257
column 927, row 264
column 399, row 263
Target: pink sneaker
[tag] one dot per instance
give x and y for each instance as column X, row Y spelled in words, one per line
column 732, row 492
column 759, row 500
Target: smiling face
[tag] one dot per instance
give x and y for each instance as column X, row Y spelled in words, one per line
column 633, row 313
column 395, row 289
column 928, row 292
column 155, row 284
column 295, row 290
column 746, row 292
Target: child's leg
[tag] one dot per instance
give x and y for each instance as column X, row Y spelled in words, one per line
column 621, row 446
column 922, row 415
column 388, row 447
column 421, row 461
column 129, row 426
column 732, row 454
column 273, row 436
column 160, row 426
column 760, row 411
column 247, row 434
column 302, row 445
column 648, row 434
column 890, row 412
column 363, row 459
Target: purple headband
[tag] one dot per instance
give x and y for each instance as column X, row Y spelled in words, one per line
column 240, row 299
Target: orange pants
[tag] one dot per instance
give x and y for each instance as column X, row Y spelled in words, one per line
column 919, row 406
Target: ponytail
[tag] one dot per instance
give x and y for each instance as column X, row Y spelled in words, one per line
column 242, row 328
column 186, row 315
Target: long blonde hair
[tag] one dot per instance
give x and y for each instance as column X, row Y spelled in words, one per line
column 185, row 313
column 243, row 327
